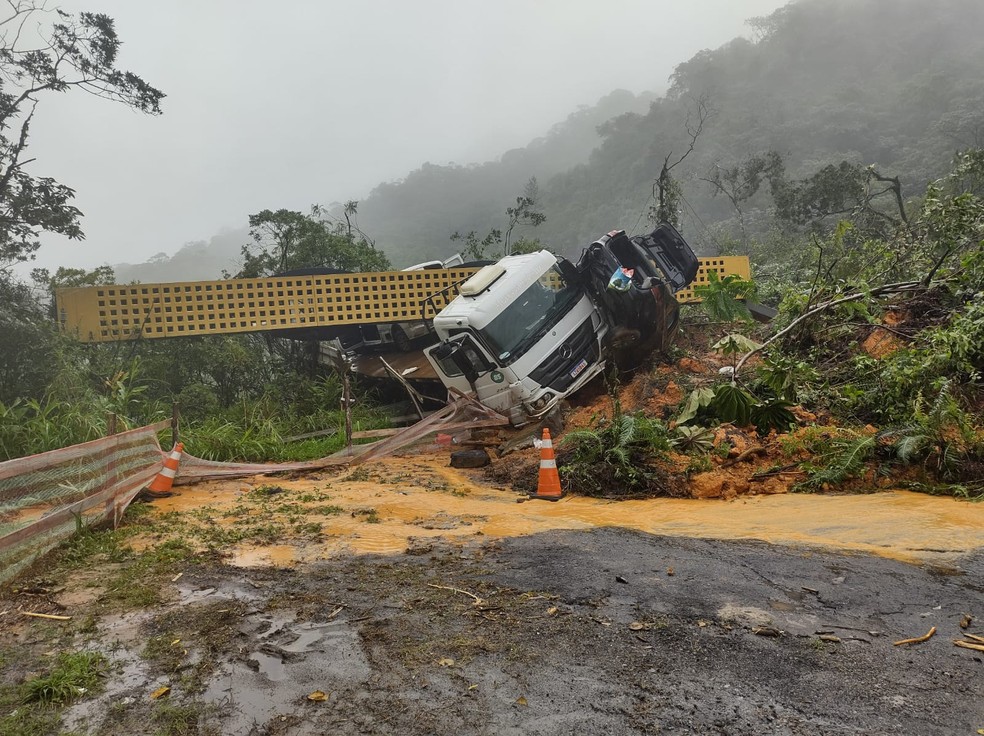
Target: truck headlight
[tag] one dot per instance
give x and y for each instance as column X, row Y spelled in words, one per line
column 542, row 401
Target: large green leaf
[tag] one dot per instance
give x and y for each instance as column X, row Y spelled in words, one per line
column 698, row 399
column 732, row 404
column 772, row 415
column 735, row 343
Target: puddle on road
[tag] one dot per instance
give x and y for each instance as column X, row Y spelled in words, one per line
column 253, row 690
column 420, row 499
column 268, row 665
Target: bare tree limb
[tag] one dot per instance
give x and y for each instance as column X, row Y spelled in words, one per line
column 895, row 288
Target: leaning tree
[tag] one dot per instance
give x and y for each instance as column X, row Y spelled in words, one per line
column 45, row 52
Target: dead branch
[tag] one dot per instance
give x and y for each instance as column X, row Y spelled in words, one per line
column 968, row 645
column 895, row 186
column 51, row 616
column 916, row 639
column 741, row 457
column 896, row 288
column 478, row 601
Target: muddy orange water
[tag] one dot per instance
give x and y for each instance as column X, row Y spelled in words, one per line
column 415, row 499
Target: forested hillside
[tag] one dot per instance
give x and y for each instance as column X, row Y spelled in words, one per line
column 822, row 81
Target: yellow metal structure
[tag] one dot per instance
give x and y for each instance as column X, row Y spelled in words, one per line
column 723, row 265
column 108, row 313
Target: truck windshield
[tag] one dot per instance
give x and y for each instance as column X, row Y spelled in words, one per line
column 524, row 321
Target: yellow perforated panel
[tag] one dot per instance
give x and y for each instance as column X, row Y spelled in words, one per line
column 106, row 313
column 724, row 265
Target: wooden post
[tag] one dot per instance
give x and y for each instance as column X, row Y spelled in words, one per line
column 175, row 417
column 112, row 475
column 347, row 401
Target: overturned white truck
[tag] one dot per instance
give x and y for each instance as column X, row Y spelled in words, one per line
column 529, row 330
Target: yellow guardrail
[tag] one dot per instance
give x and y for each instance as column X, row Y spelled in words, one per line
column 114, row 312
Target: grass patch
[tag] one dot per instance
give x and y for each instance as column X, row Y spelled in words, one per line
column 74, row 674
column 326, row 510
column 172, row 719
column 268, row 490
column 141, row 582
column 360, row 474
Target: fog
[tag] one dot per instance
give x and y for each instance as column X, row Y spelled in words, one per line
column 286, row 104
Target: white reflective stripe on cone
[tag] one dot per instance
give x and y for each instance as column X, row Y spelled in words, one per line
column 547, row 443
column 169, row 472
column 548, row 463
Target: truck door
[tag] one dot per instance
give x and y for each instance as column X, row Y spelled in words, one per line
column 462, row 363
column 674, row 256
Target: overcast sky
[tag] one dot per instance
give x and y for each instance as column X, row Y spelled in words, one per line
column 283, row 104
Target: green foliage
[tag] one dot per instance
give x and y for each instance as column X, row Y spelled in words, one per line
column 734, row 344
column 285, row 240
column 838, row 459
column 74, row 52
column 732, row 404
column 722, row 299
column 30, row 427
column 772, row 415
column 692, row 439
column 785, row 376
column 73, row 674
column 615, row 458
column 698, row 399
column 941, row 436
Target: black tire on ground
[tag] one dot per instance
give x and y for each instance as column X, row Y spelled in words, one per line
column 470, row 459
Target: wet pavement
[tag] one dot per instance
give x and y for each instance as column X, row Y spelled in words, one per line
column 430, row 604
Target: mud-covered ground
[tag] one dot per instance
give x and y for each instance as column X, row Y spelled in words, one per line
column 599, row 631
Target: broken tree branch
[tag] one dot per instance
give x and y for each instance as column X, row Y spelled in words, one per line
column 757, row 450
column 917, row 639
column 968, row 645
column 478, row 601
column 50, row 616
column 895, row 288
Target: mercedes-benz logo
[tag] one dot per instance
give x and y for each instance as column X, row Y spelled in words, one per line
column 566, row 351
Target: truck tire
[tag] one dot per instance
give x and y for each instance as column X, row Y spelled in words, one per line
column 470, row 459
column 400, row 340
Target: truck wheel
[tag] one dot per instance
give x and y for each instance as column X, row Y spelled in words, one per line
column 470, row 459
column 401, row 340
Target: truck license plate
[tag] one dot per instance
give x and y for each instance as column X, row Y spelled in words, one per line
column 578, row 368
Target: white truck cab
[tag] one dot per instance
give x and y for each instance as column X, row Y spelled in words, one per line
column 529, row 330
column 521, row 335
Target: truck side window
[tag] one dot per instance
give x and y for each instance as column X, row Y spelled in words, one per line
column 461, row 356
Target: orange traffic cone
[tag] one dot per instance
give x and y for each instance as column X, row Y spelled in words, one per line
column 162, row 483
column 548, row 487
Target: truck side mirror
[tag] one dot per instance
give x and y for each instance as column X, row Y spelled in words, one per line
column 569, row 271
column 456, row 353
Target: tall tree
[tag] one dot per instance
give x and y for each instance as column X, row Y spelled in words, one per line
column 526, row 212
column 284, row 240
column 44, row 52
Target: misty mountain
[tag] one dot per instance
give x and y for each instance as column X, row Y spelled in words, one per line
column 201, row 259
column 894, row 83
column 414, row 220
